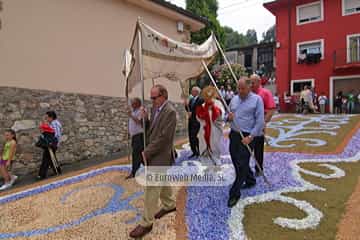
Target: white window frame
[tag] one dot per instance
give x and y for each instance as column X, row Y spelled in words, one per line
column 312, row 80
column 348, row 45
column 322, row 44
column 344, row 10
column 307, row 5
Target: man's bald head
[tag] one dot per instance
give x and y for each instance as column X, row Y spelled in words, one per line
column 195, row 91
column 255, row 82
column 244, row 87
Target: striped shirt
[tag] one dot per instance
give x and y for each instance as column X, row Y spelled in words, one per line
column 56, row 125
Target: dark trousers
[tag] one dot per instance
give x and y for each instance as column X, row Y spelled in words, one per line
column 259, row 151
column 137, row 145
column 46, row 162
column 240, row 157
column 228, row 101
column 194, row 128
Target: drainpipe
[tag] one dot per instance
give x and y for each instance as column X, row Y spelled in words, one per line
column 290, row 44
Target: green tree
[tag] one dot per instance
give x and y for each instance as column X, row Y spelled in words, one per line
column 213, row 6
column 269, row 35
column 251, row 36
column 234, row 39
column 207, row 9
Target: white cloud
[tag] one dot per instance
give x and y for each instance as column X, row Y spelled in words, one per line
column 242, row 15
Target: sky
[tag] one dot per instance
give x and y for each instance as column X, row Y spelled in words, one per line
column 242, row 15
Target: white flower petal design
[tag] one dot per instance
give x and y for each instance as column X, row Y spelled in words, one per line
column 291, row 129
column 313, row 217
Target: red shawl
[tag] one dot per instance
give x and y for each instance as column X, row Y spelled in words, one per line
column 202, row 112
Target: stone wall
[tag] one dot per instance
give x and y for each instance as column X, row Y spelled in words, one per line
column 93, row 126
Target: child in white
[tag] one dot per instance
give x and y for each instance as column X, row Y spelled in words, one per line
column 322, row 102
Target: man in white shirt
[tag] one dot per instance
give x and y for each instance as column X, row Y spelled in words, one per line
column 307, row 100
column 229, row 94
column 222, row 91
column 277, row 102
column 136, row 131
column 287, row 100
column 322, row 102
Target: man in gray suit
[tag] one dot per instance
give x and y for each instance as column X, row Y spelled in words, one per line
column 158, row 152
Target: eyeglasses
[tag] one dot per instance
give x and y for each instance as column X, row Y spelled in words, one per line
column 154, row 98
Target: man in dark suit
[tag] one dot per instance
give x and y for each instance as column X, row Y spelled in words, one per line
column 158, row 152
column 194, row 125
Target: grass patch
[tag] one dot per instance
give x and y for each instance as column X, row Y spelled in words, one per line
column 316, row 168
column 259, row 217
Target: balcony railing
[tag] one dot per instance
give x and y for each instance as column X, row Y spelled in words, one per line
column 347, row 58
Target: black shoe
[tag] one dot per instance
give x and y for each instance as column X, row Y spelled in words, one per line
column 194, row 155
column 233, row 201
column 59, row 170
column 39, row 178
column 130, row 176
column 248, row 185
column 163, row 212
column 140, row 231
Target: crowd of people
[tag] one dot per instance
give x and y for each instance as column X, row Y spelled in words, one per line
column 309, row 101
column 250, row 107
column 346, row 103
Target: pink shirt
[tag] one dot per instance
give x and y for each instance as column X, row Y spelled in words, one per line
column 267, row 98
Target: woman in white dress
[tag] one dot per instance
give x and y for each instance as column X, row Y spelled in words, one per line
column 210, row 115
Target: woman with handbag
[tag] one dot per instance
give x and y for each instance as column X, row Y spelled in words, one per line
column 49, row 142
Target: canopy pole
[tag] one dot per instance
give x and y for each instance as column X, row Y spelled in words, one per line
column 141, row 78
column 128, row 105
column 238, row 128
column 129, row 148
column 225, row 58
column 215, row 85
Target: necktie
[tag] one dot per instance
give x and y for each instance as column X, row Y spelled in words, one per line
column 193, row 100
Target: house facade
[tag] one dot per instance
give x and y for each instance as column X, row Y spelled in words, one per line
column 254, row 57
column 67, row 56
column 77, row 46
column 318, row 44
